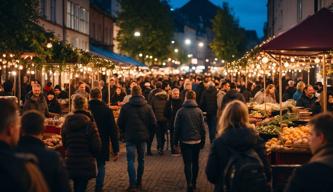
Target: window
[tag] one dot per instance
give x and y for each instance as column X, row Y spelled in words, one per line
column 299, row 10
column 53, row 7
column 77, row 18
column 42, row 8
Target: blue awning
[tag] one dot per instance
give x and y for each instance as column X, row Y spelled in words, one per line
column 115, row 57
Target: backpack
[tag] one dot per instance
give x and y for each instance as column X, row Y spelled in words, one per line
column 244, row 173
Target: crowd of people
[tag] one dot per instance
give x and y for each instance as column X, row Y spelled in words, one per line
column 171, row 108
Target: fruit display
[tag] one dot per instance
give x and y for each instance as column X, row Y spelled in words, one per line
column 291, row 138
column 52, row 140
column 270, row 129
column 270, row 107
column 57, row 122
column 258, row 114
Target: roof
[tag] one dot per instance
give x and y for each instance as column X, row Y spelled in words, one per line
column 115, row 57
column 312, row 36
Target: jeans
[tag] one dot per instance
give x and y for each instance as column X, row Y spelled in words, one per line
column 162, row 128
column 135, row 177
column 100, row 174
column 151, row 138
column 211, row 122
column 80, row 185
column 190, row 153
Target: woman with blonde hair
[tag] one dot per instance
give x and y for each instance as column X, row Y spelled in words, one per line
column 268, row 96
column 236, row 137
column 299, row 90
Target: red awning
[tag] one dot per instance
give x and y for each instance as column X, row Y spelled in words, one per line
column 311, row 36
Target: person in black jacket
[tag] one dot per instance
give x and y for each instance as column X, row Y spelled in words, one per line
column 52, row 103
column 82, row 143
column 231, row 95
column 49, row 161
column 308, row 98
column 118, row 96
column 107, row 129
column 36, row 100
column 208, row 104
column 316, row 175
column 15, row 174
column 135, row 120
column 158, row 103
column 172, row 106
column 190, row 131
column 236, row 133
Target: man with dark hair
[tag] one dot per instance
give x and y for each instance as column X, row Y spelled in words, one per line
column 135, row 120
column 15, row 174
column 317, row 175
column 190, row 132
column 106, row 126
column 49, row 161
column 231, row 95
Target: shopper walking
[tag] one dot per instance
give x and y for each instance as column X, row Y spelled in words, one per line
column 82, row 144
column 237, row 138
column 135, row 120
column 107, row 129
column 190, row 132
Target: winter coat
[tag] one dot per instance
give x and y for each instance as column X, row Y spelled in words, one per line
column 220, row 94
column 13, row 173
column 189, row 123
column 54, row 106
column 136, row 119
column 37, row 103
column 220, row 153
column 231, row 95
column 289, row 93
column 49, row 162
column 297, row 95
column 158, row 103
column 306, row 102
column 82, row 143
column 208, row 102
column 317, row 175
column 106, row 126
column 199, row 89
column 171, row 108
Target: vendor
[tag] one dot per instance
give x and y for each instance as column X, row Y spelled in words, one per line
column 268, row 96
column 308, row 99
column 52, row 103
column 299, row 90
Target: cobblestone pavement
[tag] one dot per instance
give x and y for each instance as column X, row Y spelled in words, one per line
column 161, row 174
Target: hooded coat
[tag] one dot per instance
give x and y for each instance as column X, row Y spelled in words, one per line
column 136, row 119
column 158, row 103
column 82, row 143
column 220, row 153
column 189, row 123
column 317, row 175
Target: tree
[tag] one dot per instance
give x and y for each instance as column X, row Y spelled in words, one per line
column 153, row 20
column 229, row 37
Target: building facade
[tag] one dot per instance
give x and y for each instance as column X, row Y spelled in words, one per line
column 67, row 19
column 284, row 14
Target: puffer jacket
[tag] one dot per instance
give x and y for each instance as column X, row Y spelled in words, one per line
column 136, row 119
column 220, row 153
column 189, row 123
column 158, row 103
column 82, row 143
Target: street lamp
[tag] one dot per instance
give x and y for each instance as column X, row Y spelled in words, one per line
column 172, row 42
column 201, row 44
column 188, row 41
column 137, row 34
column 176, row 50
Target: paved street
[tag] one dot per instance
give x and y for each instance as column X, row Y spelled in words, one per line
column 162, row 174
